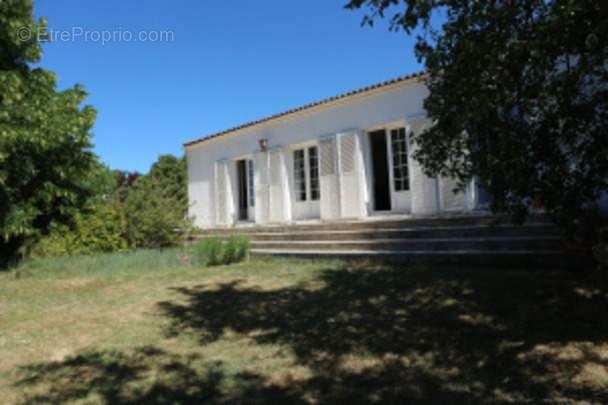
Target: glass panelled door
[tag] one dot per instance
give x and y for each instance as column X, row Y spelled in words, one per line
column 400, row 178
column 246, row 191
column 391, row 180
column 250, row 190
column 306, row 191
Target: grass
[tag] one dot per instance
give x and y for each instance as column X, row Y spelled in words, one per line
column 104, row 265
column 143, row 328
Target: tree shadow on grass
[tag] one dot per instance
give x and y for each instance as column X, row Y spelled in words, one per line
column 114, row 377
column 434, row 335
column 367, row 335
column 144, row 376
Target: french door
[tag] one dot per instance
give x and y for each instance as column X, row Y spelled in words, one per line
column 391, row 183
column 246, row 195
column 306, row 187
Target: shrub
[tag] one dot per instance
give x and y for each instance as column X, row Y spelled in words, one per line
column 212, row 251
column 103, row 230
column 208, row 251
column 230, row 250
column 236, row 249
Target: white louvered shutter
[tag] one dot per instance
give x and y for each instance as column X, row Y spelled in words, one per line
column 423, row 188
column 260, row 177
column 221, row 193
column 349, row 176
column 330, row 193
column 277, row 186
column 451, row 200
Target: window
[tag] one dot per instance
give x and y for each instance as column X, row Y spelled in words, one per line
column 313, row 165
column 299, row 174
column 399, row 146
column 251, row 188
column 306, row 174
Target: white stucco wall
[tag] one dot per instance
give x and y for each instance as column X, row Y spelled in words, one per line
column 394, row 103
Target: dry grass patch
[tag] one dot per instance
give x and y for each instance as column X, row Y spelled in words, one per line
column 285, row 331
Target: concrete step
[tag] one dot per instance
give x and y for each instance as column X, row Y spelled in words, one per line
column 536, row 259
column 434, row 244
column 405, row 233
column 459, row 239
column 375, row 223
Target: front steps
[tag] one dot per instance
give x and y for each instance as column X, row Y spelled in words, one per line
column 462, row 239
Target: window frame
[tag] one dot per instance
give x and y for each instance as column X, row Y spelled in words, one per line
column 306, row 174
column 299, row 175
column 250, row 182
column 314, row 184
column 399, row 159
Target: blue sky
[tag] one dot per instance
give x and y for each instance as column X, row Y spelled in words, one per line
column 226, row 64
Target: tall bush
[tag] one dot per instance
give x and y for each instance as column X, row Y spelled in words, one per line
column 154, row 214
column 102, row 230
column 156, row 204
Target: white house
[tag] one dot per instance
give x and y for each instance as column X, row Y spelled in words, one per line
column 348, row 156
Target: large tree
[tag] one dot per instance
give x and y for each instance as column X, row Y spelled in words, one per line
column 518, row 95
column 171, row 172
column 46, row 161
column 156, row 204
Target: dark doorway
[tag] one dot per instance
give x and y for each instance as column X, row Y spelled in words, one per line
column 241, row 170
column 382, row 197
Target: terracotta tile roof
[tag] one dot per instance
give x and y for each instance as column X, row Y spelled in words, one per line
column 306, row 107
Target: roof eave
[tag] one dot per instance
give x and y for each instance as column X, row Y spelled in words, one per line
column 307, row 107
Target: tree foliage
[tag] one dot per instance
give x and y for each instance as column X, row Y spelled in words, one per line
column 518, row 93
column 156, row 204
column 46, row 163
column 171, row 173
column 54, row 194
column 102, row 229
column 125, row 178
column 129, row 211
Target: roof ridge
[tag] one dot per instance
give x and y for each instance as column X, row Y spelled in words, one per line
column 306, row 107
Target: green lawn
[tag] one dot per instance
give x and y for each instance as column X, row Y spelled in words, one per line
column 144, row 329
